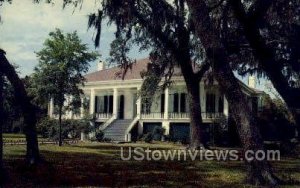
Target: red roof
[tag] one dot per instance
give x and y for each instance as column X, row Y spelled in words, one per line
column 115, row 73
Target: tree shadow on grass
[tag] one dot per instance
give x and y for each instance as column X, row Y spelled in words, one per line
column 84, row 169
column 105, row 168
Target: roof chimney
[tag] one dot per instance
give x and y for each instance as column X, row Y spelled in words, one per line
column 101, row 66
column 252, row 81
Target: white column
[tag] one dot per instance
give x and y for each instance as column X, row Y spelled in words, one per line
column 51, row 108
column 226, row 108
column 81, row 107
column 92, row 102
column 166, row 126
column 116, row 104
column 82, row 136
column 138, row 104
column 166, row 113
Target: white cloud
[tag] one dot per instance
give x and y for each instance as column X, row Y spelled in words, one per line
column 26, row 26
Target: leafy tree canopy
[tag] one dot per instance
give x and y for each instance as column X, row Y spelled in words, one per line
column 62, row 62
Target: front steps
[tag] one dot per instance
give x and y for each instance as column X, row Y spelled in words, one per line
column 116, row 131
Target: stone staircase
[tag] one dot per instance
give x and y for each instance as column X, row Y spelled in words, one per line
column 116, row 131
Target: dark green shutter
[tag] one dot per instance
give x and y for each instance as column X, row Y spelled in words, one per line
column 162, row 103
column 96, row 104
column 182, row 102
column 105, row 104
column 175, row 102
column 111, row 104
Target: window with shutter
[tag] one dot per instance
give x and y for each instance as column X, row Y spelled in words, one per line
column 210, row 102
column 105, row 103
column 96, row 104
column 183, row 102
column 175, row 102
column 111, row 104
column 221, row 104
column 162, row 103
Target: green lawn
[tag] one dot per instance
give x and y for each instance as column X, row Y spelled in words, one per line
column 17, row 137
column 100, row 164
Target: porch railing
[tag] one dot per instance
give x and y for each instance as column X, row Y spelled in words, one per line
column 212, row 115
column 103, row 115
column 179, row 115
column 185, row 115
column 152, row 115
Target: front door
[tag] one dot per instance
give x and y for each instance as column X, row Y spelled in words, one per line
column 121, row 107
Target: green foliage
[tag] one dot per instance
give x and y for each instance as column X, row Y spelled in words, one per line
column 40, row 101
column 275, row 120
column 148, row 138
column 62, row 63
column 48, row 128
column 156, row 134
column 12, row 111
column 99, row 136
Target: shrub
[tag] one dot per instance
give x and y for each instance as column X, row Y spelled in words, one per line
column 158, row 133
column 148, row 138
column 49, row 128
column 99, row 136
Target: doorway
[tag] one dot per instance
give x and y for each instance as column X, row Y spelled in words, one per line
column 121, row 107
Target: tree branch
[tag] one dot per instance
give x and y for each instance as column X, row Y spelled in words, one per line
column 203, row 69
column 259, row 9
column 216, row 5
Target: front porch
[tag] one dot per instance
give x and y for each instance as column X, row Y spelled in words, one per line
column 171, row 104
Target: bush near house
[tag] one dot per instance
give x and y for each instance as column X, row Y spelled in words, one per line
column 156, row 134
column 276, row 122
column 99, row 136
column 49, row 128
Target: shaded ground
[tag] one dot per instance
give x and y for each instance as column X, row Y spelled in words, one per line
column 94, row 164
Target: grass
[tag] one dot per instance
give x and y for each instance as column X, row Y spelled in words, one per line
column 100, row 164
column 8, row 137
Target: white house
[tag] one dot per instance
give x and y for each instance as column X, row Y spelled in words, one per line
column 119, row 113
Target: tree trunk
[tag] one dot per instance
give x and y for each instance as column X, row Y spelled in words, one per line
column 28, row 109
column 197, row 133
column 1, row 136
column 59, row 122
column 197, row 136
column 259, row 172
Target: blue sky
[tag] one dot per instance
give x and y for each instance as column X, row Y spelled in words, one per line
column 25, row 26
